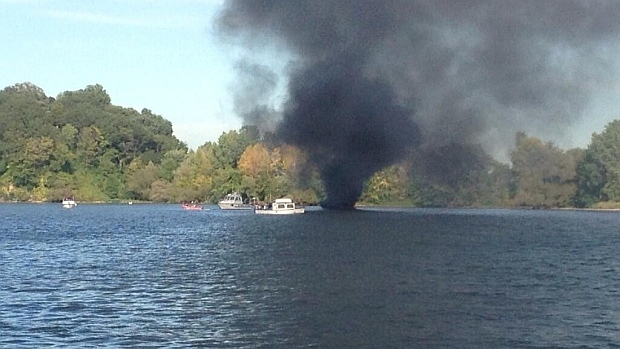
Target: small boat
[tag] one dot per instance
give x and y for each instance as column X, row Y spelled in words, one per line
column 281, row 206
column 191, row 206
column 234, row 201
column 69, row 202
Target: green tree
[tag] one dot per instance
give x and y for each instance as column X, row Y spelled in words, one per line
column 232, row 144
column 140, row 179
column 598, row 172
column 170, row 162
column 193, row 178
column 78, row 142
column 545, row 174
column 27, row 166
column 388, row 186
column 455, row 175
column 91, row 144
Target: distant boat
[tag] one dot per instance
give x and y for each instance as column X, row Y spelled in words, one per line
column 191, row 206
column 234, row 201
column 281, row 206
column 69, row 202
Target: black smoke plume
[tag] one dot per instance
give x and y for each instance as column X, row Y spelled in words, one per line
column 369, row 79
column 252, row 94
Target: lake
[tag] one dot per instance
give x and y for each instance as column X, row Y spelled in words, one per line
column 152, row 276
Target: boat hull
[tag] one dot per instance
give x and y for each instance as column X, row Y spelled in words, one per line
column 234, row 201
column 68, row 203
column 283, row 206
column 225, row 206
column 280, row 212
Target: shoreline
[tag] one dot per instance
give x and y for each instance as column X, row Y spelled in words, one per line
column 131, row 202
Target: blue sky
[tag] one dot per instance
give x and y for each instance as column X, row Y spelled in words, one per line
column 161, row 55
column 156, row 54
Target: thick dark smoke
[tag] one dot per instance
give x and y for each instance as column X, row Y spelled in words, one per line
column 252, row 94
column 362, row 127
column 369, row 79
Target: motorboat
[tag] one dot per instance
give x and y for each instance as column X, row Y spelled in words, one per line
column 280, row 206
column 191, row 206
column 69, row 202
column 235, row 201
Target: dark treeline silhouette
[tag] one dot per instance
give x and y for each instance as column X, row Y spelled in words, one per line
column 79, row 144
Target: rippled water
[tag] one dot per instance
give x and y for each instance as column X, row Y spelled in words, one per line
column 156, row 276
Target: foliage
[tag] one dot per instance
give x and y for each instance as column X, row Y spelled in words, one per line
column 458, row 175
column 81, row 144
column 232, row 144
column 545, row 174
column 388, row 186
column 607, row 205
column 77, row 144
column 598, row 172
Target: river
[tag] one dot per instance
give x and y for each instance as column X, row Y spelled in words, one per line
column 153, row 276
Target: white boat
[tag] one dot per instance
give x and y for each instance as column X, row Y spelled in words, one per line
column 234, row 201
column 281, row 206
column 69, row 202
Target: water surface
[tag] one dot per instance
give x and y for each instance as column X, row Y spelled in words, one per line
column 154, row 276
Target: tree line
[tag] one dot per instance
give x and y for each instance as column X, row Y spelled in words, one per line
column 80, row 144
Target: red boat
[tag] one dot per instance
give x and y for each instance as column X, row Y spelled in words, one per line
column 191, row 206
